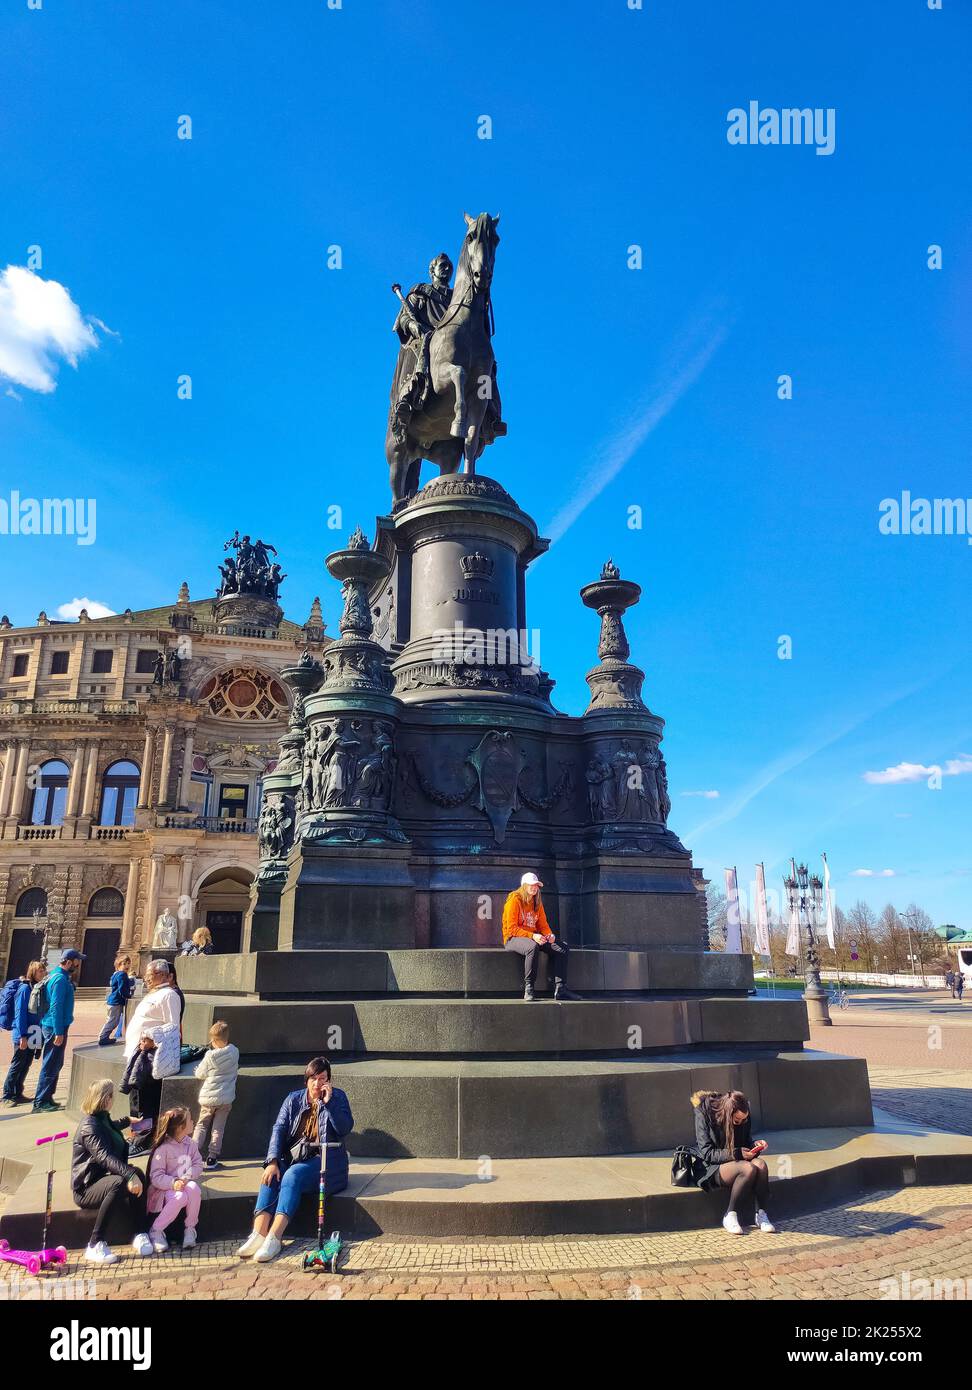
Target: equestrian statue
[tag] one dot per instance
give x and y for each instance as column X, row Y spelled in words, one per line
column 445, row 404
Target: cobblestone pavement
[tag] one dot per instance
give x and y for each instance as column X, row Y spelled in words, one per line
column 939, row 1099
column 842, row 1253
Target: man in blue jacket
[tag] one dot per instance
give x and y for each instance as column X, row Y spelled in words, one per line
column 54, row 1027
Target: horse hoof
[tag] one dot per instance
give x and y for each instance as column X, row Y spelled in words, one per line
column 457, row 431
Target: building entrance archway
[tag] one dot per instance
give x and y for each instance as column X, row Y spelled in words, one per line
column 221, row 903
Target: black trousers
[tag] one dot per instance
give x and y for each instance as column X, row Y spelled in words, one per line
column 110, row 1194
column 529, row 949
column 146, row 1100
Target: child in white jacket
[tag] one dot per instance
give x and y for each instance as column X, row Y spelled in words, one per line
column 217, row 1071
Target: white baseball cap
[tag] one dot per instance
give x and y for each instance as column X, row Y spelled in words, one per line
column 530, row 878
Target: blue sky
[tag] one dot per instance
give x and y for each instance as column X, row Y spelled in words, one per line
column 358, row 127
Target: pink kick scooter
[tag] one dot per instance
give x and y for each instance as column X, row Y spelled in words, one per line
column 36, row 1260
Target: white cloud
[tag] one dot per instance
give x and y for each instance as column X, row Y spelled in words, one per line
column 709, row 796
column 873, row 873
column 95, row 609
column 40, row 325
column 918, row 772
column 787, row 762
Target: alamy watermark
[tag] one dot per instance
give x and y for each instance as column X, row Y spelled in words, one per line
column 49, row 516
column 490, row 646
column 787, row 125
column 906, row 1287
column 925, row 516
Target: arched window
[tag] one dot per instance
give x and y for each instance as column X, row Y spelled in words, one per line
column 50, row 794
column 119, row 794
column 107, row 902
column 31, row 901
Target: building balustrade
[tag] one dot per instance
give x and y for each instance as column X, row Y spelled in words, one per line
column 67, row 707
column 215, row 825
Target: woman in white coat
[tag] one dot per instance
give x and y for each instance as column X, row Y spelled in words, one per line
column 159, row 1007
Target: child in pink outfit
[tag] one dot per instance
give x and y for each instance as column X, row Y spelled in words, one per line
column 175, row 1168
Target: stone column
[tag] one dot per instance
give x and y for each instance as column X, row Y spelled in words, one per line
column 8, row 773
column 90, row 781
column 152, row 903
column 167, row 741
column 18, row 784
column 74, row 785
column 186, row 906
column 186, row 769
column 148, row 761
column 131, row 897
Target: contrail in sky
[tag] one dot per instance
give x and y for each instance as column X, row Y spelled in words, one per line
column 615, row 453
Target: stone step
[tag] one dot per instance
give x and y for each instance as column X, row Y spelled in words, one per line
column 490, row 971
column 414, row 1027
column 458, row 1109
column 438, row 1198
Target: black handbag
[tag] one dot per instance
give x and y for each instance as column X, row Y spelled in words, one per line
column 688, row 1168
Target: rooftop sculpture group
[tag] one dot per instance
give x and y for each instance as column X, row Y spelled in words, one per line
column 250, row 570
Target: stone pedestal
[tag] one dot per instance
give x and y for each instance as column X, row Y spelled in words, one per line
column 352, row 895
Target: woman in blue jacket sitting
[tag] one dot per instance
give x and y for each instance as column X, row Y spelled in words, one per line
column 27, row 1038
column 317, row 1112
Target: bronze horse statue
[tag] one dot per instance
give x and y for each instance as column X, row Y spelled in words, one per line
column 445, row 404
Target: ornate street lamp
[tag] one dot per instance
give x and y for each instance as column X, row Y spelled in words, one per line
column 805, row 896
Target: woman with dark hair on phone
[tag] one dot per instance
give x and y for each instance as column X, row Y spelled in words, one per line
column 317, row 1112
column 724, row 1142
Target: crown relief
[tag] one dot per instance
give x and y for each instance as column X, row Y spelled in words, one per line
column 476, row 566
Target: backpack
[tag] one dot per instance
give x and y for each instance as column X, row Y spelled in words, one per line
column 38, row 1002
column 7, row 1001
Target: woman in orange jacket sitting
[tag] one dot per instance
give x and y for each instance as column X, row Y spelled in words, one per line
column 526, row 932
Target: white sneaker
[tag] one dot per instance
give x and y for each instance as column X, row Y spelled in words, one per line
column 764, row 1223
column 731, row 1223
column 251, row 1245
column 100, row 1254
column 269, row 1250
column 159, row 1243
column 142, row 1245
column 189, row 1239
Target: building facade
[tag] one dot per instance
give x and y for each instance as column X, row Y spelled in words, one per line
column 133, row 750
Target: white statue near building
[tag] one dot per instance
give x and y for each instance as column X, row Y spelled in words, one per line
column 164, row 938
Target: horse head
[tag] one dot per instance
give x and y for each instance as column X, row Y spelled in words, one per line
column 478, row 251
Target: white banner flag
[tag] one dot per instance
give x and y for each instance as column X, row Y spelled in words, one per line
column 828, row 903
column 793, row 935
column 733, row 925
column 762, row 920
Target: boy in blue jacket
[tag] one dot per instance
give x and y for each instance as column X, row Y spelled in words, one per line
column 120, row 988
column 54, row 1027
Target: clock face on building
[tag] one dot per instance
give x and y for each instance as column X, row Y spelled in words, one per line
column 244, row 694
